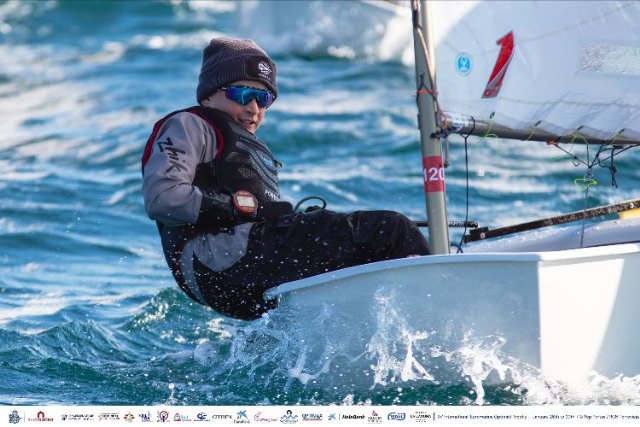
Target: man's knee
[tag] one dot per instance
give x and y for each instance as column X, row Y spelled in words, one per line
column 392, row 221
column 399, row 232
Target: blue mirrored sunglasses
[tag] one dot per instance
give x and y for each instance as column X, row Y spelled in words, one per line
column 244, row 95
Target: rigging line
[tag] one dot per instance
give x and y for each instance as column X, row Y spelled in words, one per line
column 596, row 159
column 588, row 152
column 611, row 167
column 443, row 133
column 488, row 133
column 466, row 162
column 586, row 182
column 533, row 130
column 599, row 160
column 434, row 90
column 589, row 181
column 615, row 137
column 613, row 170
column 584, row 219
column 620, row 151
column 576, row 160
column 423, row 41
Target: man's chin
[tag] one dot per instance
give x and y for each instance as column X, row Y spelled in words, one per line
column 250, row 128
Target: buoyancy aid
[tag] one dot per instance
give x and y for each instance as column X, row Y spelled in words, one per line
column 242, row 162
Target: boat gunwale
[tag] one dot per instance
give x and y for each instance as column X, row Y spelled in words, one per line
column 542, row 258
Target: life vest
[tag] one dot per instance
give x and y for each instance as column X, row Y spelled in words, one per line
column 241, row 162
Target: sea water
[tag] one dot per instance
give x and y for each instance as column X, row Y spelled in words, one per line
column 89, row 313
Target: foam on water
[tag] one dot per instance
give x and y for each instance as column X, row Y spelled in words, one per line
column 398, row 360
column 347, row 30
column 320, row 356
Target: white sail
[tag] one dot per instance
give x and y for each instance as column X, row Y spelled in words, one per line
column 562, row 65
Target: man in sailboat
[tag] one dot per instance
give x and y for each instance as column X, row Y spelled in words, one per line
column 211, row 185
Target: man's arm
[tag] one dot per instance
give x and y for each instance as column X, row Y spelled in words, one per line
column 183, row 142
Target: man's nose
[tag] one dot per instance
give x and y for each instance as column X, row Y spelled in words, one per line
column 253, row 106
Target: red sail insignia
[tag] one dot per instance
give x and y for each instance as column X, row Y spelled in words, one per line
column 500, row 69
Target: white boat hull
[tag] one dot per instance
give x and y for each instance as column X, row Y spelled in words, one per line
column 566, row 312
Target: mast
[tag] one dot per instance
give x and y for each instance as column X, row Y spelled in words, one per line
column 432, row 167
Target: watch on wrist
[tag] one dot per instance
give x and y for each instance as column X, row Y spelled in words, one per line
column 245, row 202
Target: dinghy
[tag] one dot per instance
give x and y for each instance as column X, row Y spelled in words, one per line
column 555, row 74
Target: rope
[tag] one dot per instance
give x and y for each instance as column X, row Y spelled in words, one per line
column 611, row 167
column 576, row 160
column 613, row 170
column 588, row 181
column 306, row 199
column 615, row 137
column 488, row 133
column 422, row 90
column 584, row 219
column 583, row 184
column 443, row 134
column 533, row 130
column 466, row 163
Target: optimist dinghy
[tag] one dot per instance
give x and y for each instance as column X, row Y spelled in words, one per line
column 563, row 301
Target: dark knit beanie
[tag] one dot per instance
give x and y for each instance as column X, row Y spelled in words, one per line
column 227, row 60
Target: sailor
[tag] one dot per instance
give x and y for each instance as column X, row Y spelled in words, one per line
column 211, row 185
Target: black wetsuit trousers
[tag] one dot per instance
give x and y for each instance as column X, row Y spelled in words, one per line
column 300, row 245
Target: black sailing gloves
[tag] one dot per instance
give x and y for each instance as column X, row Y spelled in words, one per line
column 274, row 210
column 223, row 210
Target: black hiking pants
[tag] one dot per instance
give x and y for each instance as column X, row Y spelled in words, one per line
column 300, row 245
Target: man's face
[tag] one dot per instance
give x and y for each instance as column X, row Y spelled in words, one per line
column 249, row 116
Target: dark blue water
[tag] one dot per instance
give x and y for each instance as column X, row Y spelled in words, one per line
column 89, row 313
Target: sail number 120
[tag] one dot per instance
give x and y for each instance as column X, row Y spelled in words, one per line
column 433, row 174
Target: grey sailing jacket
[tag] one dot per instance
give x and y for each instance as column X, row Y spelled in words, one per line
column 183, row 142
